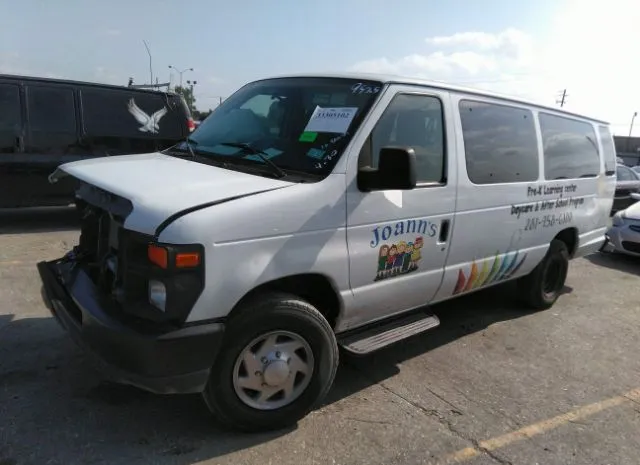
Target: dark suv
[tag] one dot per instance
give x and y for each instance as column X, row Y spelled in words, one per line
column 47, row 122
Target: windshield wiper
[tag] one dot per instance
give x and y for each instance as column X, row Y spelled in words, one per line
column 263, row 155
column 188, row 141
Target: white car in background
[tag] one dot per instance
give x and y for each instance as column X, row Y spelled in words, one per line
column 624, row 234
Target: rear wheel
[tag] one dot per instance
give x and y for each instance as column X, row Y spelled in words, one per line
column 278, row 361
column 541, row 288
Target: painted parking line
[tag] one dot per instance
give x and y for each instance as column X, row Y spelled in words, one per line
column 541, row 427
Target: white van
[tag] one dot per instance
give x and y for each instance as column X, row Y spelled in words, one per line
column 309, row 213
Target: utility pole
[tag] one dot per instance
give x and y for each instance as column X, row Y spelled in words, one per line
column 564, row 96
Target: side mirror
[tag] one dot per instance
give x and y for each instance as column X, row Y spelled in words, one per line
column 396, row 171
column 635, row 195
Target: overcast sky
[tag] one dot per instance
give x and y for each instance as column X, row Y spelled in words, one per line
column 526, row 48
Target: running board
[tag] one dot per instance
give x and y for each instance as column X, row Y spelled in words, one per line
column 370, row 339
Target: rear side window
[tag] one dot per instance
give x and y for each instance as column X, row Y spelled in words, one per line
column 10, row 111
column 51, row 109
column 131, row 114
column 608, row 149
column 500, row 143
column 570, row 148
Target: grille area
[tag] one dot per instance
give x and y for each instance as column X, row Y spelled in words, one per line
column 631, row 246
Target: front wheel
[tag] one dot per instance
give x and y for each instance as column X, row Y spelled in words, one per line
column 279, row 359
column 541, row 288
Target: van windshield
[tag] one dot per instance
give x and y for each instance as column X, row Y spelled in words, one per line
column 297, row 124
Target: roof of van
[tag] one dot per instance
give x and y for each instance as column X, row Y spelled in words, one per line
column 395, row 79
column 15, row 77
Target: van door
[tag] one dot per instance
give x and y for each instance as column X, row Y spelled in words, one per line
column 11, row 142
column 398, row 241
column 499, row 177
column 51, row 140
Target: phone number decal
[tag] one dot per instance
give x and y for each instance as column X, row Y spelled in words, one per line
column 548, row 221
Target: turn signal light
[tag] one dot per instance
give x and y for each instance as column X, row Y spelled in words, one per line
column 158, row 256
column 187, row 260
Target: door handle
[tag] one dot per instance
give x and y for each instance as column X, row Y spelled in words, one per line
column 444, row 231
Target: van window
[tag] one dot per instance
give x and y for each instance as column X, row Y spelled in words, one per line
column 10, row 117
column 415, row 121
column 305, row 127
column 259, row 104
column 570, row 148
column 500, row 143
column 609, row 150
column 11, row 113
column 127, row 114
column 51, row 109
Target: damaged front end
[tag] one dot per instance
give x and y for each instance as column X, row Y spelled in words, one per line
column 125, row 297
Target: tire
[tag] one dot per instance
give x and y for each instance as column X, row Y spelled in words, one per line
column 278, row 312
column 540, row 289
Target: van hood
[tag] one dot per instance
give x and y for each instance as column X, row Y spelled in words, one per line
column 159, row 186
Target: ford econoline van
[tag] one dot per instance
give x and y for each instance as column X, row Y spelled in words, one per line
column 312, row 213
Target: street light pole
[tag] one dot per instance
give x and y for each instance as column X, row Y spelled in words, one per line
column 635, row 113
column 191, row 84
column 181, row 72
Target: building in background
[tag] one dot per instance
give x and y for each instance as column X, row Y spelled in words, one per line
column 628, row 148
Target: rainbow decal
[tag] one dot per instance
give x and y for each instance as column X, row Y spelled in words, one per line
column 504, row 266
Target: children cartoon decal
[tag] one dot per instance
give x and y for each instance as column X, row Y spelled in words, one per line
column 399, row 258
column 382, row 260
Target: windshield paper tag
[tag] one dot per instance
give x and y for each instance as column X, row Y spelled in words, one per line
column 334, row 119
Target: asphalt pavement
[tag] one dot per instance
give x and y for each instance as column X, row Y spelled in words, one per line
column 494, row 384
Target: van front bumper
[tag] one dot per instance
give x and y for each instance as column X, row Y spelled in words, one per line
column 166, row 362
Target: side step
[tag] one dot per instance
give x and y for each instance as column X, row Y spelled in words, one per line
column 371, row 338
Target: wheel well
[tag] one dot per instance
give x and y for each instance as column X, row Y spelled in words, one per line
column 570, row 238
column 314, row 288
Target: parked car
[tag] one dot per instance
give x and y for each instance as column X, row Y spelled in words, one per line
column 624, row 233
column 627, row 182
column 47, row 122
column 308, row 213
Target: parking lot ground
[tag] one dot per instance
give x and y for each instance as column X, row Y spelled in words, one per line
column 493, row 384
